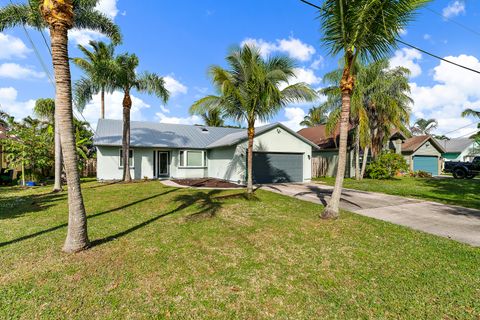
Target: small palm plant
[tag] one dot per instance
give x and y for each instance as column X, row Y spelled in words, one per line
column 60, row 16
column 98, row 66
column 359, row 29
column 213, row 118
column 127, row 79
column 250, row 90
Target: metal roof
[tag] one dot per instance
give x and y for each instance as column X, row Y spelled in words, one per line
column 166, row 135
column 456, row 145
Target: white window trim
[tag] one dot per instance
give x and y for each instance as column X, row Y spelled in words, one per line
column 120, row 152
column 184, row 165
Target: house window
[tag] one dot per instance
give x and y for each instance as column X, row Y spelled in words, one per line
column 130, row 158
column 193, row 158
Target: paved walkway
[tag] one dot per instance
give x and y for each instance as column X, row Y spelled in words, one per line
column 453, row 222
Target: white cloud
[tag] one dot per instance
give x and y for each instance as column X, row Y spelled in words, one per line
column 427, row 36
column 294, row 116
column 178, row 120
column 174, row 86
column 293, row 47
column 403, row 32
column 84, row 36
column 454, row 90
column 305, row 75
column 164, row 109
column 10, row 104
column 113, row 108
column 12, row 47
column 454, row 9
column 317, row 63
column 108, row 7
column 407, row 58
column 16, row 71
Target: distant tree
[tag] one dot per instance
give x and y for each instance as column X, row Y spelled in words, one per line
column 315, row 117
column 473, row 113
column 45, row 109
column 99, row 68
column 250, row 91
column 424, row 126
column 127, row 79
column 213, row 118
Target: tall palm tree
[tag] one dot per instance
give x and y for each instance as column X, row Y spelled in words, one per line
column 60, row 16
column 45, row 109
column 315, row 117
column 364, row 29
column 424, row 126
column 127, row 79
column 98, row 66
column 473, row 113
column 250, row 90
column 213, row 118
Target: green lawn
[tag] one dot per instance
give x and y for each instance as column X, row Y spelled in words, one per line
column 464, row 193
column 162, row 252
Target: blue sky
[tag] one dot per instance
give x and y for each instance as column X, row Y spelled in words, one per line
column 181, row 39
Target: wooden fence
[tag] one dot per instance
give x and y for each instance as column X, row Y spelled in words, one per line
column 319, row 167
column 90, row 168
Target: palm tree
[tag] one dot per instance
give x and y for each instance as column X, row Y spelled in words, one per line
column 45, row 109
column 424, row 126
column 250, row 91
column 60, row 16
column 127, row 79
column 98, row 66
column 213, row 118
column 380, row 104
column 471, row 112
column 359, row 29
column 315, row 117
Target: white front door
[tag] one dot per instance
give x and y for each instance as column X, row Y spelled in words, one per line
column 163, row 160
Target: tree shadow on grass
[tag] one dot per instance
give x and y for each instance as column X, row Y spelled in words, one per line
column 15, row 206
column 39, row 233
column 208, row 205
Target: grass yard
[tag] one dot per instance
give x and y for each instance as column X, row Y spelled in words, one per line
column 166, row 253
column 464, row 193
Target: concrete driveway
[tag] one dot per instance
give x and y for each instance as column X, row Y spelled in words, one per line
column 453, row 222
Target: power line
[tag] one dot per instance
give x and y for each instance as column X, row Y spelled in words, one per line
column 461, row 25
column 468, row 125
column 412, row 46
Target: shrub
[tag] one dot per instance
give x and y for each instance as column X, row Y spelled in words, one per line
column 420, row 174
column 386, row 166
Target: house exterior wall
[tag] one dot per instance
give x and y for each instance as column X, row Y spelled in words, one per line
column 328, row 162
column 108, row 167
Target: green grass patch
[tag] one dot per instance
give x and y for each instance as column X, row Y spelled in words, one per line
column 464, row 193
column 162, row 252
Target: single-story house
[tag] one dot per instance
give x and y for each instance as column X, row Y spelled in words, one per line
column 161, row 150
column 420, row 152
column 460, row 149
column 423, row 153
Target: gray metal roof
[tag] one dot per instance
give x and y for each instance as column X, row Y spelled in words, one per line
column 456, row 144
column 163, row 135
column 166, row 135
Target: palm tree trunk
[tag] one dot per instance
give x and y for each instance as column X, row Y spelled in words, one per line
column 58, row 156
column 102, row 103
column 357, row 154
column 364, row 162
column 77, row 236
column 251, row 135
column 127, row 104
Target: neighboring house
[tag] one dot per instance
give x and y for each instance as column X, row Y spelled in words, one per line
column 161, row 150
column 421, row 152
column 459, row 149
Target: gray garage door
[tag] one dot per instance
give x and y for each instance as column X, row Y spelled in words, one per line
column 277, row 167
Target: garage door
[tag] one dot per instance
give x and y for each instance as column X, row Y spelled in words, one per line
column 277, row 167
column 424, row 163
